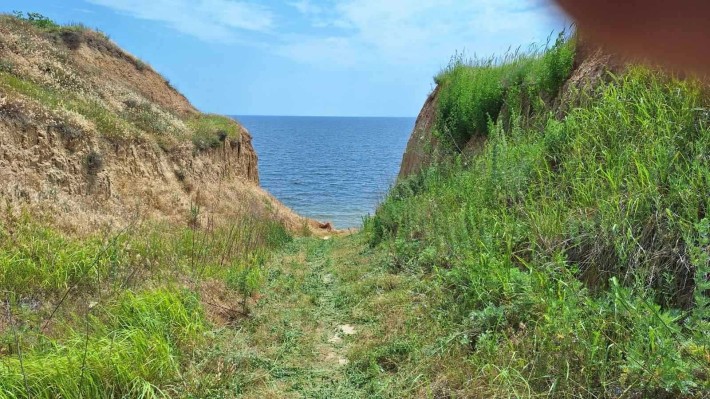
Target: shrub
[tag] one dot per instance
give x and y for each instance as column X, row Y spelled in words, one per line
column 211, row 131
column 7, row 66
column 203, row 143
column 140, row 65
column 71, row 38
column 68, row 132
column 246, row 278
column 180, row 175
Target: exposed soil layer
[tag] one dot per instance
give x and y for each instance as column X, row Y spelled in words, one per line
column 94, row 137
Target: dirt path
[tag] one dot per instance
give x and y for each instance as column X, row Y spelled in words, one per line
column 302, row 330
column 326, row 325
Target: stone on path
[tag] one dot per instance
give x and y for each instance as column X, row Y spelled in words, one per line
column 347, row 329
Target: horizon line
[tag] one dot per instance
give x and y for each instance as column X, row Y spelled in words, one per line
column 319, row 116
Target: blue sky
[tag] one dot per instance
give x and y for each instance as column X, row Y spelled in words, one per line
column 306, row 57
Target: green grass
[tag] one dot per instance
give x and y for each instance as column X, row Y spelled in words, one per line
column 107, row 123
column 210, row 131
column 570, row 256
column 132, row 354
column 286, row 349
column 119, row 314
column 474, row 92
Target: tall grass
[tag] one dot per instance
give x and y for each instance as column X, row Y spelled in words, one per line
column 473, row 92
column 131, row 354
column 117, row 314
column 572, row 253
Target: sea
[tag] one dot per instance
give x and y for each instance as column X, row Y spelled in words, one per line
column 335, row 169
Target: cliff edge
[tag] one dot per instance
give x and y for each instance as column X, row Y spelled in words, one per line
column 591, row 65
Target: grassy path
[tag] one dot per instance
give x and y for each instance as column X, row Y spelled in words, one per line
column 326, row 304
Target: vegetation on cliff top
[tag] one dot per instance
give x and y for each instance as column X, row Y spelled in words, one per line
column 474, row 91
column 63, row 86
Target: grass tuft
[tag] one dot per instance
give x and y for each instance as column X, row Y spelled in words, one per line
column 210, row 131
column 118, row 315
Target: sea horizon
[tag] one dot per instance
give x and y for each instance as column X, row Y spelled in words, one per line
column 329, row 168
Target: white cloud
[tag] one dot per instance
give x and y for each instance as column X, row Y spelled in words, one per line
column 206, row 19
column 403, row 32
column 346, row 33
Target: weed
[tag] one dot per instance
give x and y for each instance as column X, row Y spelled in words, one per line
column 246, row 277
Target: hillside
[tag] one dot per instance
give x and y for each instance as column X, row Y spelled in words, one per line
column 557, row 201
column 90, row 131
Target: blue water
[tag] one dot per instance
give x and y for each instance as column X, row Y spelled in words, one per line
column 328, row 168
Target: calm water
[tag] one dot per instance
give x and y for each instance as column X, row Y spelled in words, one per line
column 334, row 169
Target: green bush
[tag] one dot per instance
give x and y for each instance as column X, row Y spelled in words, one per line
column 36, row 19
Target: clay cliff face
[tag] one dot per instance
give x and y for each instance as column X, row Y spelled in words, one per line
column 93, row 136
column 592, row 65
column 419, row 151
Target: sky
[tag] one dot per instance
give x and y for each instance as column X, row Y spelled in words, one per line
column 307, row 57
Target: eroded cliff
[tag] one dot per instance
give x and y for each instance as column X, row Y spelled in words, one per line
column 89, row 132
